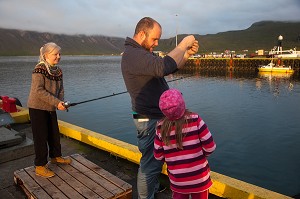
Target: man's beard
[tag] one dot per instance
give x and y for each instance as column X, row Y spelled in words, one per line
column 146, row 46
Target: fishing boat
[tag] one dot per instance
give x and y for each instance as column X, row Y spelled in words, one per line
column 292, row 53
column 279, row 53
column 271, row 67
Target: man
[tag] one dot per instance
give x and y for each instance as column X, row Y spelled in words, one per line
column 143, row 73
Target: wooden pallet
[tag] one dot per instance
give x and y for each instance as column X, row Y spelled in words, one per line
column 81, row 179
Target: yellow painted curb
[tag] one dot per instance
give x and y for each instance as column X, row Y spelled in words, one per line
column 227, row 187
column 114, row 146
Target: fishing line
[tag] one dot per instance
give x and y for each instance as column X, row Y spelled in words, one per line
column 74, row 104
column 202, row 45
column 68, row 104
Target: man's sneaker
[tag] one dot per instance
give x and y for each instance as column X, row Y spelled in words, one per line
column 43, row 171
column 161, row 188
column 61, row 160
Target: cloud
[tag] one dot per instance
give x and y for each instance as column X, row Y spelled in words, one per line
column 118, row 18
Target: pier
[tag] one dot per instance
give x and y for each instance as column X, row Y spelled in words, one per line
column 238, row 64
column 223, row 187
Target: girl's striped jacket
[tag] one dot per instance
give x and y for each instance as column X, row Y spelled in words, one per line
column 188, row 169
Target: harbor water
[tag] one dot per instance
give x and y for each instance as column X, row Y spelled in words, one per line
column 254, row 118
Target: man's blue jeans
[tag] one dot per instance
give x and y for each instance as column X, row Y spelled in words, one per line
column 150, row 168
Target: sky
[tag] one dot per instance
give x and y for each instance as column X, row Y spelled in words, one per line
column 118, row 18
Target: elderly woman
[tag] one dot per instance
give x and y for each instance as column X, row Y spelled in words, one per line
column 46, row 95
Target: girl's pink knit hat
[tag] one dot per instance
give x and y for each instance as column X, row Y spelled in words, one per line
column 172, row 104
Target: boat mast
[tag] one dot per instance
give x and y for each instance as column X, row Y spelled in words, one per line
column 279, row 46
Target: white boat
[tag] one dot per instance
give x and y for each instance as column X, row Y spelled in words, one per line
column 271, row 67
column 292, row 53
column 279, row 53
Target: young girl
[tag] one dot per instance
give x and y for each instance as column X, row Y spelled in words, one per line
column 46, row 95
column 183, row 141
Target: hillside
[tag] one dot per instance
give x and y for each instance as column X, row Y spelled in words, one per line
column 18, row 42
column 260, row 35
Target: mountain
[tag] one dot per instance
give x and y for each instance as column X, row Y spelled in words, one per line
column 19, row 42
column 260, row 35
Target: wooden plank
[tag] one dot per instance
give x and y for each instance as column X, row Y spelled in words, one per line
column 110, row 177
column 114, row 189
column 46, row 184
column 65, row 188
column 75, row 184
column 87, row 181
column 29, row 185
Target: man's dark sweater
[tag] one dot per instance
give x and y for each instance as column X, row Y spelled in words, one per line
column 143, row 73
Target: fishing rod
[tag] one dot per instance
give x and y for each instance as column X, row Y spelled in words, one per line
column 67, row 104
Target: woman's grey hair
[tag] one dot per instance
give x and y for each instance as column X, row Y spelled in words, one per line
column 48, row 48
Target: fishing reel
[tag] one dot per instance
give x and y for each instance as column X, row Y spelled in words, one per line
column 67, row 104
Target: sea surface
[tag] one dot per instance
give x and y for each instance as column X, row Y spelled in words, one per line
column 254, row 118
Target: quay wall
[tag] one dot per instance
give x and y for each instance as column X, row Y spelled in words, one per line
column 238, row 64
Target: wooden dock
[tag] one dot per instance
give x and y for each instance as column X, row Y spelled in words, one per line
column 81, row 179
